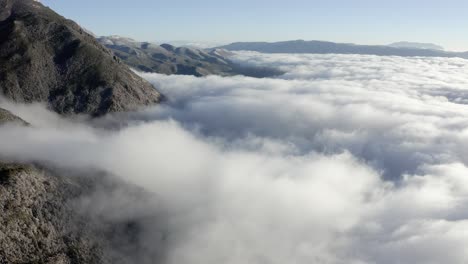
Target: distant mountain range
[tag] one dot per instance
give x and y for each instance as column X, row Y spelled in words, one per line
column 416, row 45
column 323, row 47
column 192, row 44
column 168, row 59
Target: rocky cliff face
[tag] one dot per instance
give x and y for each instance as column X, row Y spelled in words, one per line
column 47, row 58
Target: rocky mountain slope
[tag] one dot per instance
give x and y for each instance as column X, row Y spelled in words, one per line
column 47, row 58
column 50, row 216
column 323, row 47
column 36, row 224
column 7, row 117
column 167, row 59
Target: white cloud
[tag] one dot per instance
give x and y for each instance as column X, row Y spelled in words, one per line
column 344, row 159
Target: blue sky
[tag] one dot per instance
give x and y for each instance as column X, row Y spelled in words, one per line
column 358, row 21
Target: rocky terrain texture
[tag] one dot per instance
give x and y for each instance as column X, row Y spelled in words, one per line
column 7, row 117
column 36, row 224
column 47, row 216
column 47, row 58
column 168, row 59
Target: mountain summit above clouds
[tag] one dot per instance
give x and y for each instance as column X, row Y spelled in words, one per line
column 168, row 59
column 47, row 58
column 165, row 58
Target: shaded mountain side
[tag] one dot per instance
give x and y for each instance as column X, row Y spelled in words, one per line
column 167, row 59
column 47, row 58
column 323, row 47
column 47, row 216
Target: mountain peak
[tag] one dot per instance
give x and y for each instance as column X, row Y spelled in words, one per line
column 47, row 58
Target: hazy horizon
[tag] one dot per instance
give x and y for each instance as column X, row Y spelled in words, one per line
column 360, row 22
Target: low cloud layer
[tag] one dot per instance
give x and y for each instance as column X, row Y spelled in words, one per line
column 344, row 159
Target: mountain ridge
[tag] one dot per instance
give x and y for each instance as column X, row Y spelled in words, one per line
column 327, row 47
column 45, row 57
column 168, row 59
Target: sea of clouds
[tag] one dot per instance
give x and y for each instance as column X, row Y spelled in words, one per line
column 344, row 159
